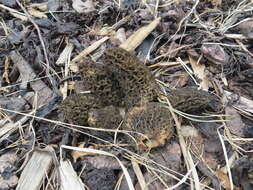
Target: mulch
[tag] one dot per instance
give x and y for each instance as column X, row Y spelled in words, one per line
column 202, row 44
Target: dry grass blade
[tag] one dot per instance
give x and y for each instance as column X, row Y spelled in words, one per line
column 7, row 128
column 105, row 31
column 5, row 88
column 243, row 47
column 93, row 151
column 188, row 160
column 15, row 13
column 56, row 49
column 231, row 20
column 243, row 104
column 167, row 64
column 183, row 180
column 188, row 69
column 158, row 168
column 6, row 67
column 52, row 80
column 140, row 159
column 226, row 159
column 235, row 36
column 139, row 174
column 194, row 117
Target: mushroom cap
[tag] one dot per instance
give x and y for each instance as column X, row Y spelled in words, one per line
column 190, row 99
column 134, row 78
column 151, row 123
column 75, row 108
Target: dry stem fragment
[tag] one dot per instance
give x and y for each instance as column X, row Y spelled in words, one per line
column 137, row 37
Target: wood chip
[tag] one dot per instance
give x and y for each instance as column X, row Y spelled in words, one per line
column 85, row 52
column 69, row 178
column 137, row 37
column 36, row 170
column 45, row 94
column 65, row 54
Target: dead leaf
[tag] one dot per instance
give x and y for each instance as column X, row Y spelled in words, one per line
column 242, row 173
column 13, row 103
column 181, row 81
column 216, row 2
column 168, row 156
column 234, row 122
column 80, row 154
column 102, row 161
column 6, row 67
column 194, row 140
column 199, row 71
column 53, row 5
column 215, row 53
column 8, row 179
column 8, row 182
column 83, row 7
column 212, row 145
column 152, row 184
column 100, row 179
column 224, row 179
column 7, row 161
column 40, row 6
column 36, row 13
column 189, row 131
column 246, row 28
column 211, row 160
